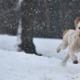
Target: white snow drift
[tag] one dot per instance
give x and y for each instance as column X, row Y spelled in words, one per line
column 21, row 66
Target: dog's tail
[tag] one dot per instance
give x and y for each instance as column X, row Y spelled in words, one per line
column 65, row 31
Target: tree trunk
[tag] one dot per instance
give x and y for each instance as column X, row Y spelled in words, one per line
column 27, row 24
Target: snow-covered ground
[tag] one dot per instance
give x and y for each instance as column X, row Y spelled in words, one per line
column 21, row 66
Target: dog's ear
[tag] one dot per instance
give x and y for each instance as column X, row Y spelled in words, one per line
column 65, row 31
column 76, row 21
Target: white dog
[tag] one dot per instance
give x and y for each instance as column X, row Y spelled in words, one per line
column 71, row 38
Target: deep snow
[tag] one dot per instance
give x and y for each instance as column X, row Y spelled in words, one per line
column 21, row 66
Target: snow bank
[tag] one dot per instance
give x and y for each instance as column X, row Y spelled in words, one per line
column 21, row 66
column 47, row 47
column 8, row 42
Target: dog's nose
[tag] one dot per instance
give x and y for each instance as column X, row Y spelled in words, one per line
column 79, row 27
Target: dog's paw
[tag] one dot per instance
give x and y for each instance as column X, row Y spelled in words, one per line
column 58, row 50
column 63, row 63
column 75, row 62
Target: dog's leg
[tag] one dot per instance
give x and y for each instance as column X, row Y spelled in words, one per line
column 72, row 48
column 73, row 57
column 59, row 48
column 64, row 62
column 63, row 45
column 66, row 58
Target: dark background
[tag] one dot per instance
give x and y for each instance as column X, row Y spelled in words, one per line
column 47, row 18
column 39, row 18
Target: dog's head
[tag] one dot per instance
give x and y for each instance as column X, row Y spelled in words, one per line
column 77, row 23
